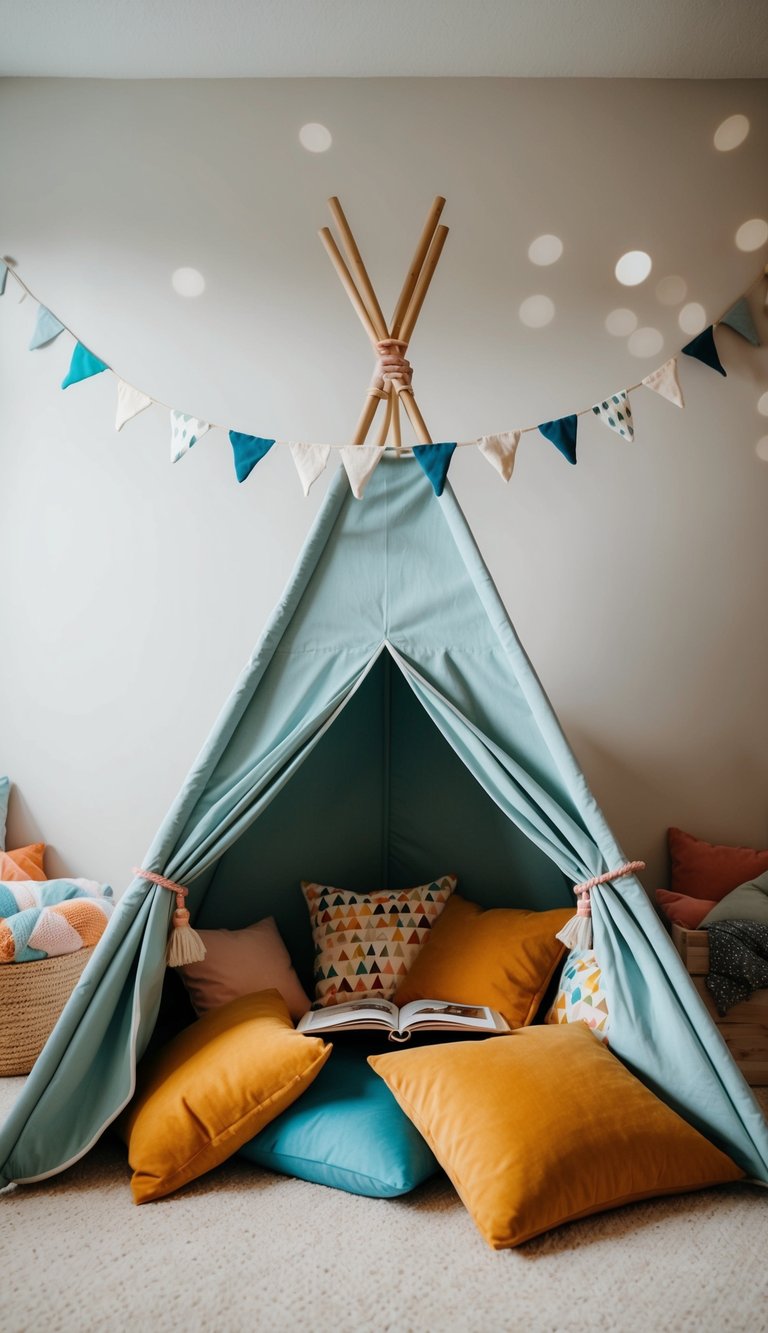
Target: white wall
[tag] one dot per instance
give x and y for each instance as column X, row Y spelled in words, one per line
column 131, row 592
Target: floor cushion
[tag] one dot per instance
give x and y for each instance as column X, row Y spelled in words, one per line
column 213, row 1087
column 683, row 910
column 347, row 1131
column 366, row 942
column 239, row 962
column 710, row 870
column 748, row 902
column 545, row 1126
column 23, row 863
column 503, row 957
column 581, row 996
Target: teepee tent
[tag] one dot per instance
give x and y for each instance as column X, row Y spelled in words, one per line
column 387, row 729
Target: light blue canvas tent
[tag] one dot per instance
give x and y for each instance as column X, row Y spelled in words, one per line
column 388, row 728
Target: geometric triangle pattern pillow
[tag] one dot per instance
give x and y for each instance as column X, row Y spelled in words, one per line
column 365, row 943
column 580, row 997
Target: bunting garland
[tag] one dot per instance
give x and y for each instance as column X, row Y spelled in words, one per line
column 360, row 461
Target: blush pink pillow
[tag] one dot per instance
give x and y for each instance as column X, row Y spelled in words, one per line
column 683, row 910
column 239, row 962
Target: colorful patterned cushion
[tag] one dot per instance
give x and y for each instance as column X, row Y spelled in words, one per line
column 365, row 942
column 581, row 997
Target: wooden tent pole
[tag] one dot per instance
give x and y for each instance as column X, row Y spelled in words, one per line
column 407, row 311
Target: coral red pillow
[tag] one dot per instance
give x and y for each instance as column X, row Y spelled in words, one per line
column 27, row 863
column 683, row 910
column 707, row 870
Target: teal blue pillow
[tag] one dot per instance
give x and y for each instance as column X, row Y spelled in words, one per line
column 5, row 791
column 346, row 1130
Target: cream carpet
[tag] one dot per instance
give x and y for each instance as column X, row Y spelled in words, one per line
column 246, row 1250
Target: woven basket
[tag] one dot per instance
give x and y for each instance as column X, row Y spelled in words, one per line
column 32, row 995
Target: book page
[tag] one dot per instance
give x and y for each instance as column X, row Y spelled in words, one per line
column 352, row 1011
column 448, row 1012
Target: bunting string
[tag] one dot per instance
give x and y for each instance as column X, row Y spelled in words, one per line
column 360, row 461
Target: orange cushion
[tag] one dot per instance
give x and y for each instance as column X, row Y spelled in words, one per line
column 709, row 870
column 544, row 1126
column 503, row 957
column 24, row 863
column 212, row 1088
column 682, row 909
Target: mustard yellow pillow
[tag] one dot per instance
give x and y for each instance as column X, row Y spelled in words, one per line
column 545, row 1126
column 212, row 1088
column 503, row 957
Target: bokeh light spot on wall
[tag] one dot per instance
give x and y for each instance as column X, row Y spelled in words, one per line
column 752, row 235
column 621, row 322
column 545, row 250
column 762, row 404
column 671, row 290
column 761, row 449
column 188, row 282
column 692, row 318
column 536, row 311
column 645, row 342
column 315, row 137
column 633, row 268
column 731, row 132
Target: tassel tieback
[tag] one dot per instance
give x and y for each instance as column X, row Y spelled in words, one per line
column 184, row 944
column 577, row 933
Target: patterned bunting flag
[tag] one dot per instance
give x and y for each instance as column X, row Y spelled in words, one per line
column 434, row 461
column 130, row 402
column 47, row 327
column 185, row 431
column 617, row 413
column 360, row 460
column 702, row 348
column 3, row 277
column 82, row 366
column 739, row 318
column 562, row 433
column 310, row 461
column 664, row 381
column 500, row 450
column 248, row 450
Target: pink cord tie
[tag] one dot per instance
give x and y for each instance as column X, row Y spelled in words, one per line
column 185, row 945
column 584, row 905
column 391, row 368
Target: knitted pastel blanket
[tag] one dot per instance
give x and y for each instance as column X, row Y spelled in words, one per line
column 43, row 919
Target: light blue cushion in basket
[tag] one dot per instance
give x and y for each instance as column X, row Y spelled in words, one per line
column 347, row 1131
column 5, row 791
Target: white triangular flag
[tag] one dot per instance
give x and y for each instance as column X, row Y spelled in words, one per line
column 185, row 431
column 665, row 381
column 310, row 460
column 617, row 413
column 500, row 450
column 130, row 402
column 360, row 461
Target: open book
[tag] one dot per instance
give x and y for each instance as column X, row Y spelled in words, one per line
column 418, row 1016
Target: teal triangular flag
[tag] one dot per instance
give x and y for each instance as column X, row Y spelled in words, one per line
column 82, row 366
column 702, row 348
column 562, row 433
column 3, row 277
column 47, row 327
column 739, row 317
column 434, row 460
column 249, row 450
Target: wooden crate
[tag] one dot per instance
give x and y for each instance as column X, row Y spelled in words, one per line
column 745, row 1026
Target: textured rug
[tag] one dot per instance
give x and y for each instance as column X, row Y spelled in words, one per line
column 244, row 1249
